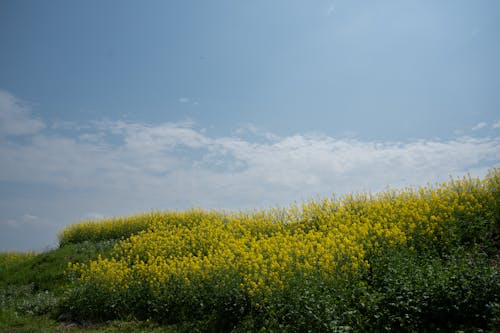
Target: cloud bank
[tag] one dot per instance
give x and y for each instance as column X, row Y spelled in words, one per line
column 107, row 168
column 15, row 117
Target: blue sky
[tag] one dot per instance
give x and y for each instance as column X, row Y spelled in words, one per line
column 116, row 107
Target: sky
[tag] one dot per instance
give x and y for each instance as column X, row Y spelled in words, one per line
column 110, row 108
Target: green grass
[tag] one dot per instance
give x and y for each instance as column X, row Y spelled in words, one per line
column 46, row 270
column 31, row 284
column 14, row 322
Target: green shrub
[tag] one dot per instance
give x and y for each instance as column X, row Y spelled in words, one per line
column 459, row 291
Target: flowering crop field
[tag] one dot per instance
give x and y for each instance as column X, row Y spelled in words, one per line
column 324, row 265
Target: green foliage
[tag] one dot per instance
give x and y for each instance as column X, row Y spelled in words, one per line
column 31, row 285
column 15, row 322
column 216, row 307
column 47, row 270
column 310, row 304
column 401, row 293
column 23, row 300
column 457, row 292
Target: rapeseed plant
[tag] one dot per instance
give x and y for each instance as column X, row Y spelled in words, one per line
column 200, row 255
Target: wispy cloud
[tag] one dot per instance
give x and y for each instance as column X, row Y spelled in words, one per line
column 253, row 130
column 15, row 116
column 480, row 126
column 189, row 101
column 496, row 124
column 117, row 167
column 177, row 157
column 24, row 220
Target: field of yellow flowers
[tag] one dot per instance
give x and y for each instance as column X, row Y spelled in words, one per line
column 360, row 262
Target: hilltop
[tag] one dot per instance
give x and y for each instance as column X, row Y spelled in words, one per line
column 415, row 259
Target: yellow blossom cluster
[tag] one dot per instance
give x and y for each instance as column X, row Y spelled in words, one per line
column 109, row 228
column 262, row 250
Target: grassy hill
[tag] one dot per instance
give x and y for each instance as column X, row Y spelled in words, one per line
column 421, row 259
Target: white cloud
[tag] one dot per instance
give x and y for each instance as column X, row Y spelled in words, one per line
column 117, row 168
column 15, row 117
column 178, row 162
column 29, row 217
column 496, row 124
column 252, row 129
column 25, row 220
column 161, row 137
column 186, row 100
column 479, row 126
column 92, row 137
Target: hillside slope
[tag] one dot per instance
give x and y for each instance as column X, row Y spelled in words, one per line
column 403, row 260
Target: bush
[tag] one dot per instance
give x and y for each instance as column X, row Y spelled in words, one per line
column 460, row 291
